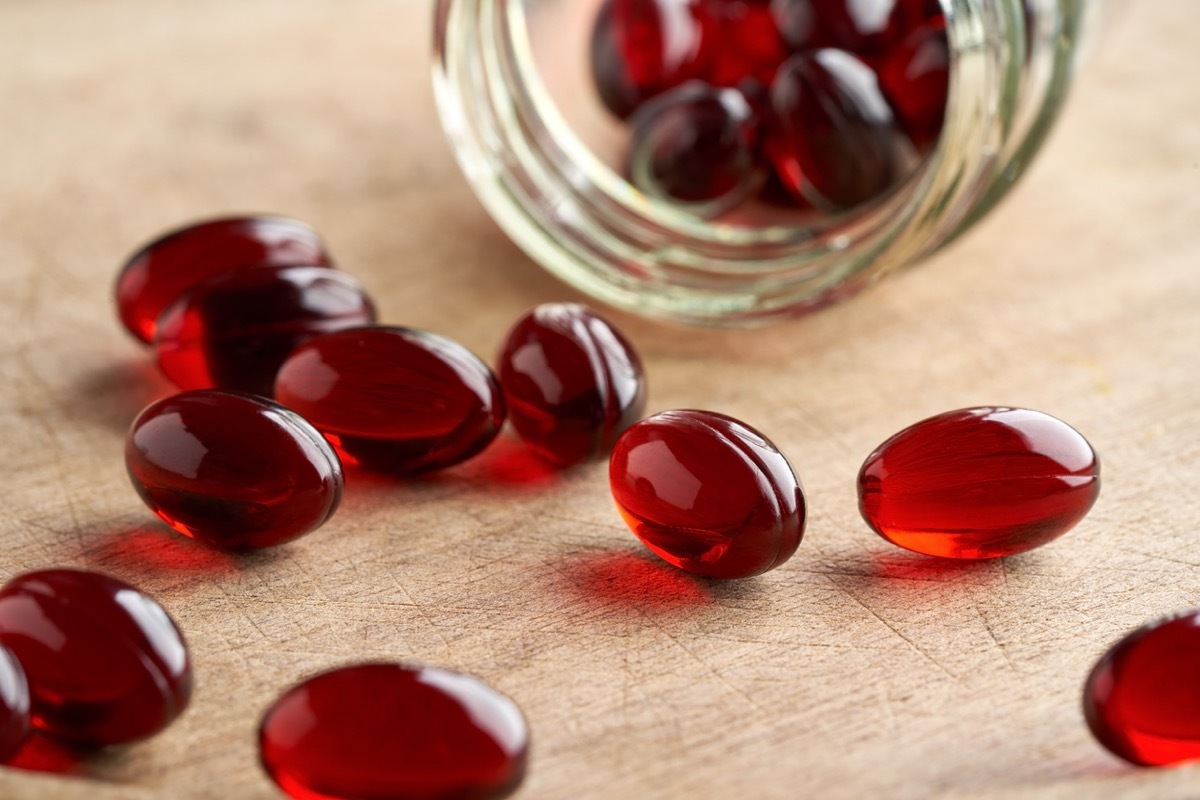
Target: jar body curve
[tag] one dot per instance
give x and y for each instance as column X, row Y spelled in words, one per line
column 532, row 139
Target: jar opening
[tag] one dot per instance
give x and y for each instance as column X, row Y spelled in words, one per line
column 546, row 158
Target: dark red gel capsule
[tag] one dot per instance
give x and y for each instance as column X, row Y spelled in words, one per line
column 747, row 44
column 831, row 135
column 14, row 705
column 707, row 493
column 394, row 399
column 396, row 732
column 232, row 470
column 610, row 73
column 571, row 381
column 160, row 272
column 105, row 663
column 915, row 78
column 979, row 483
column 1141, row 700
column 663, row 42
column 233, row 330
column 867, row 28
column 695, row 145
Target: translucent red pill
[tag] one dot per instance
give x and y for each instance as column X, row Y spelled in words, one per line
column 695, row 145
column 394, row 399
column 707, row 493
column 160, row 272
column 232, row 470
column 104, row 662
column 572, row 382
column 915, row 78
column 14, row 705
column 747, row 44
column 844, row 96
column 1142, row 699
column 979, row 483
column 867, row 28
column 233, row 330
column 396, row 732
column 831, row 134
column 641, row 48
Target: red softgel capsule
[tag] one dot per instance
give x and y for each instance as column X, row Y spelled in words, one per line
column 831, row 134
column 979, row 483
column 393, row 399
column 747, row 45
column 915, row 78
column 695, row 145
column 640, row 48
column 396, row 732
column 161, row 271
column 232, row 470
column 867, row 28
column 707, row 493
column 662, row 43
column 105, row 663
column 14, row 705
column 1141, row 699
column 572, row 382
column 233, row 330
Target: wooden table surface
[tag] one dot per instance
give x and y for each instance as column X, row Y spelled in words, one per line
column 855, row 670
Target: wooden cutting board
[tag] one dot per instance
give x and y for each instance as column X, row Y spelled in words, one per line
column 855, row 670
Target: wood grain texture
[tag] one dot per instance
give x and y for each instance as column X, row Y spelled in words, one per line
column 855, row 670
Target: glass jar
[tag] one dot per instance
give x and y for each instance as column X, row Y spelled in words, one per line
column 513, row 89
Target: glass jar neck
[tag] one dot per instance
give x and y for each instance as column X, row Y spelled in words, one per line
column 1010, row 64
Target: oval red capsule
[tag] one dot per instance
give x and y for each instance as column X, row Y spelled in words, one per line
column 915, row 78
column 695, row 146
column 14, row 705
column 397, row 732
column 394, row 399
column 164, row 269
column 707, row 493
column 233, row 330
column 747, row 45
column 232, row 470
column 1140, row 700
column 105, row 663
column 831, row 135
column 572, row 382
column 979, row 483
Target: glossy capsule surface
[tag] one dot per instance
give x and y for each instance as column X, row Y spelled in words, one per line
column 831, row 134
column 695, row 146
column 14, row 705
column 393, row 731
column 641, row 48
column 232, row 470
column 1142, row 700
column 397, row 400
column 164, row 269
column 707, row 493
column 105, row 663
column 915, row 78
column 233, row 330
column 979, row 483
column 572, row 382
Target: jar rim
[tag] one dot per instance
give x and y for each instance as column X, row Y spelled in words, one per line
column 588, row 226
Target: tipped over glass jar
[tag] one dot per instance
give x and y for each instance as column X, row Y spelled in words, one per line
column 730, row 162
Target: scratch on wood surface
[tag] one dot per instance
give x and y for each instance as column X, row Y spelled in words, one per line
column 1160, row 557
column 587, row 523
column 740, row 692
column 52, row 432
column 420, row 609
column 987, row 624
column 913, row 645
